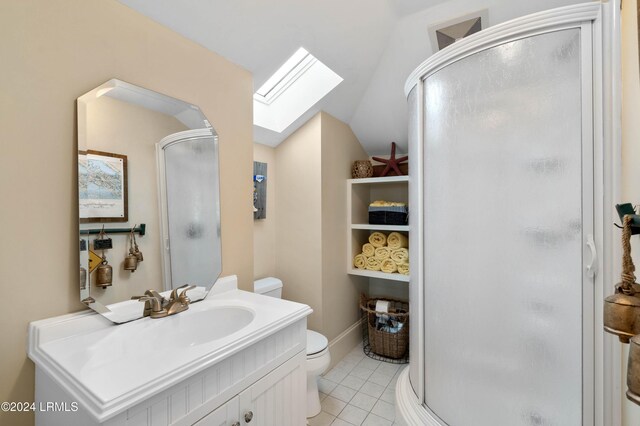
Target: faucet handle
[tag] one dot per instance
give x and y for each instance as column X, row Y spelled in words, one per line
column 153, row 293
column 174, row 293
column 183, row 295
column 157, row 310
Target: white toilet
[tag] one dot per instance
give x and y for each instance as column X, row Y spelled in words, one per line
column 318, row 357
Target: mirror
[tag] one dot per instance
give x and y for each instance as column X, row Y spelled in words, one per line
column 148, row 198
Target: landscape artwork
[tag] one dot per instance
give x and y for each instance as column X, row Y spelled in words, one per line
column 102, row 186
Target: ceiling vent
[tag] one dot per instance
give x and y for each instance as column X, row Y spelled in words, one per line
column 447, row 33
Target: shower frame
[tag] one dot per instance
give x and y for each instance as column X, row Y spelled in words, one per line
column 600, row 25
column 163, row 208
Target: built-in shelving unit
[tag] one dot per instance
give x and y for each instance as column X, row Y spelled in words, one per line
column 360, row 193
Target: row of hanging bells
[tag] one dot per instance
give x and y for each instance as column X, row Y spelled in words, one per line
column 104, row 273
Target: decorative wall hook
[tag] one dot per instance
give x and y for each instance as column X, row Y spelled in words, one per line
column 627, row 209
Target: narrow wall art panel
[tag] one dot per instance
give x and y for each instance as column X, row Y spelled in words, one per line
column 259, row 190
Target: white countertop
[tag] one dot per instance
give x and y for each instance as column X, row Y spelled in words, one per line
column 109, row 368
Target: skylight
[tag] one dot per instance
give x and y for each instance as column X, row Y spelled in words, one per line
column 294, row 88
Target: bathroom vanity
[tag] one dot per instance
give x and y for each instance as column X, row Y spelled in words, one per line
column 234, row 358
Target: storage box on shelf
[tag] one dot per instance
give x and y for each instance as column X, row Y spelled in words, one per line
column 360, row 193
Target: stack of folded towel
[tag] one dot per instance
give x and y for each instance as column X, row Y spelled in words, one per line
column 384, row 253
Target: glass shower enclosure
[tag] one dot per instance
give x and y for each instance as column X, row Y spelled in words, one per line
column 503, row 171
column 189, row 176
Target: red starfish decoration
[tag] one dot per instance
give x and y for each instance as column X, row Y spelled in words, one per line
column 392, row 162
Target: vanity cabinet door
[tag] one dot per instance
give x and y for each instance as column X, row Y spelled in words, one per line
column 279, row 398
column 225, row 415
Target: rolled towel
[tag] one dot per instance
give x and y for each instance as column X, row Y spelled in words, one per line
column 378, row 239
column 382, row 253
column 388, row 266
column 373, row 264
column 396, row 240
column 400, row 255
column 403, row 268
column 368, row 250
column 360, row 261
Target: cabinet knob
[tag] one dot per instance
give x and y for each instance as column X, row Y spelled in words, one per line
column 248, row 416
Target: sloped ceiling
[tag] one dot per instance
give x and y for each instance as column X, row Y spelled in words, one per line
column 372, row 44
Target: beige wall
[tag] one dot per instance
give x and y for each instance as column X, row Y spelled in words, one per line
column 299, row 219
column 131, row 130
column 630, row 158
column 313, row 166
column 340, row 292
column 52, row 53
column 264, row 230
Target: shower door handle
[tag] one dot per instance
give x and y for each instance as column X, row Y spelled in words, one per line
column 592, row 268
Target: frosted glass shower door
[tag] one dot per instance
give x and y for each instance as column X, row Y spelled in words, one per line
column 191, row 179
column 506, row 211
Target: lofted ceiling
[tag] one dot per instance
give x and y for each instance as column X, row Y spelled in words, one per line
column 372, row 44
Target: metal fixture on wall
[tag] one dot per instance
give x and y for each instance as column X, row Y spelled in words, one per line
column 259, row 190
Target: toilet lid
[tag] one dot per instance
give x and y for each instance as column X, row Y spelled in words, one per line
column 316, row 342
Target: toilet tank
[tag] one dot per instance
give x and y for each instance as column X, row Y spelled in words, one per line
column 269, row 286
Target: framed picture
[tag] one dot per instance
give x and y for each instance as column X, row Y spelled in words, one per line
column 102, row 187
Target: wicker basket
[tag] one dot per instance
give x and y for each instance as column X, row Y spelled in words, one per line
column 384, row 343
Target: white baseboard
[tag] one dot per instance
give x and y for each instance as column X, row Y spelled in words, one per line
column 344, row 343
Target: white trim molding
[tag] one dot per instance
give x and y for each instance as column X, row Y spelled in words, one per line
column 498, row 34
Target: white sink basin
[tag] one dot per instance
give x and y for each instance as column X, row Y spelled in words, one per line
column 206, row 326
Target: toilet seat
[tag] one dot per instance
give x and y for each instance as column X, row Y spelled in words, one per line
column 318, row 354
column 317, row 344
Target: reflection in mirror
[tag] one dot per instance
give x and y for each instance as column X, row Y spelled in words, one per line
column 147, row 163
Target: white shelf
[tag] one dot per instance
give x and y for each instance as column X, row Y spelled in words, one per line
column 361, row 192
column 404, row 228
column 376, row 274
column 386, row 179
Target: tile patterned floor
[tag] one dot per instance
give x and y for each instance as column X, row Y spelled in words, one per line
column 358, row 391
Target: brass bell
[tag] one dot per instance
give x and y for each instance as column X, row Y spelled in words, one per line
column 138, row 254
column 633, row 371
column 622, row 309
column 131, row 262
column 104, row 274
column 136, row 250
column 83, row 278
column 622, row 314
